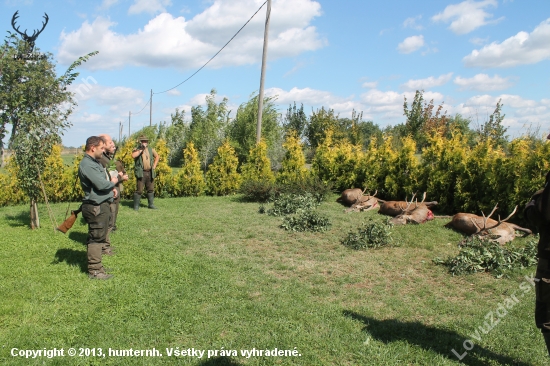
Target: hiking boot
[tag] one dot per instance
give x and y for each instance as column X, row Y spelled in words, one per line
column 137, row 198
column 150, row 199
column 97, row 275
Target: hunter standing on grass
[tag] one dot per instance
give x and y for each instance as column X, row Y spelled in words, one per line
column 537, row 212
column 112, row 166
column 144, row 170
column 98, row 195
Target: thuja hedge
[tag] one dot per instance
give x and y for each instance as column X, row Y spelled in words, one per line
column 459, row 177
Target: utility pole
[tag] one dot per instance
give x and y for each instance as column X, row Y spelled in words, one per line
column 262, row 78
column 151, row 109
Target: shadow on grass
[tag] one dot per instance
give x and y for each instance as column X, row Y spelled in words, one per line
column 72, row 258
column 219, row 361
column 23, row 218
column 78, row 237
column 127, row 203
column 432, row 339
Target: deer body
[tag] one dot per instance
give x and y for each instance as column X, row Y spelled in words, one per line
column 500, row 231
column 357, row 201
column 408, row 212
column 418, row 215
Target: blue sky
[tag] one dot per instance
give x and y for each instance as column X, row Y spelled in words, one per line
column 345, row 55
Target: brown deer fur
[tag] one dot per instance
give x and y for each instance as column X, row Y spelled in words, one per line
column 497, row 230
column 357, row 201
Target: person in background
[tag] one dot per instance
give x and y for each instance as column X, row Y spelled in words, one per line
column 145, row 163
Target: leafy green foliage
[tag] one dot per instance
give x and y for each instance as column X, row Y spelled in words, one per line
column 257, row 190
column 287, row 204
column 493, row 129
column 257, row 166
column 306, row 220
column 295, row 121
column 208, row 127
column 222, row 177
column 294, row 163
column 190, row 180
column 242, row 131
column 337, row 163
column 372, row 234
column 175, row 136
column 478, row 255
column 37, row 104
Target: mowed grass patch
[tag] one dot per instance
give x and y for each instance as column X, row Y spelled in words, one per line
column 213, row 273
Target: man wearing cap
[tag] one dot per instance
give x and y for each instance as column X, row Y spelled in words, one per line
column 538, row 213
column 144, row 170
column 98, row 194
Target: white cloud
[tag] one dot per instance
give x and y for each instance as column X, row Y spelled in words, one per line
column 519, row 113
column 479, row 41
column 483, row 82
column 370, row 84
column 411, row 23
column 521, row 49
column 422, row 84
column 174, row 92
column 118, row 99
column 168, row 41
column 306, row 95
column 411, row 44
column 106, row 4
column 148, row 6
column 466, row 16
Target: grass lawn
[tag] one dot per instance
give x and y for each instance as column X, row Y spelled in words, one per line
column 212, row 273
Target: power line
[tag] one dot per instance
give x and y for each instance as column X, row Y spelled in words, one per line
column 216, row 52
column 143, row 107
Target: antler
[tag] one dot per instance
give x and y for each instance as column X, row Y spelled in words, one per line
column 35, row 34
column 487, row 218
column 13, row 19
column 408, row 203
column 501, row 221
column 423, row 198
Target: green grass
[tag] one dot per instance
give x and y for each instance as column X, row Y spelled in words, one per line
column 212, row 273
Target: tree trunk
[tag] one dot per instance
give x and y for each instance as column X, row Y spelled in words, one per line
column 1, row 154
column 35, row 221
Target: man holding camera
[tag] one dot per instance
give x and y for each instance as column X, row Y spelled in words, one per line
column 145, row 163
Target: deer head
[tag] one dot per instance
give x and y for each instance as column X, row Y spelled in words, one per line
column 32, row 38
column 485, row 230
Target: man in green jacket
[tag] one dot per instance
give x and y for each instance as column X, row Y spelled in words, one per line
column 144, row 169
column 113, row 168
column 98, row 194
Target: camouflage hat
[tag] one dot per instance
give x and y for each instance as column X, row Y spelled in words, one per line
column 143, row 138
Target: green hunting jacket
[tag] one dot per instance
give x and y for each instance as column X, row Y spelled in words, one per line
column 93, row 180
column 138, row 165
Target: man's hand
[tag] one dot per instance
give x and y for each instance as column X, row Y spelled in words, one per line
column 115, row 193
column 125, row 177
column 114, row 179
